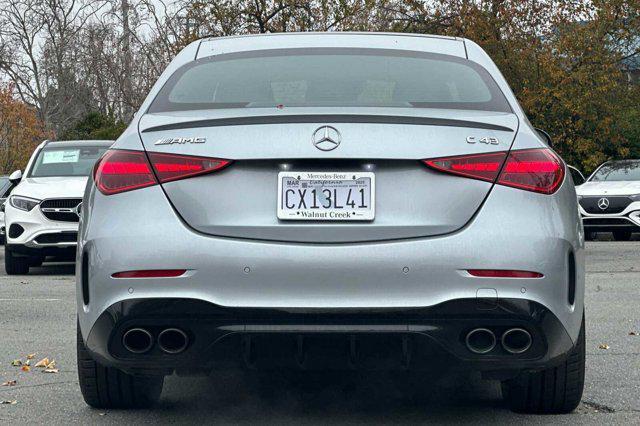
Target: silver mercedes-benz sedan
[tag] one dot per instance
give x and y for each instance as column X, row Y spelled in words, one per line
column 331, row 201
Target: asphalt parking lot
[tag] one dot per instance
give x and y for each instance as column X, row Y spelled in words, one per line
column 37, row 315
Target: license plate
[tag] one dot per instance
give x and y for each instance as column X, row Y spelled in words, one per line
column 326, row 196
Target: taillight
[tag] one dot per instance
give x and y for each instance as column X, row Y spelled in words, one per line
column 122, row 170
column 170, row 167
column 537, row 170
column 476, row 166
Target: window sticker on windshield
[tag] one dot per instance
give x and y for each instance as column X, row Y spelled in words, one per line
column 61, row 156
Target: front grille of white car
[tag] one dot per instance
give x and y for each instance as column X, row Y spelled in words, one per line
column 61, row 209
column 592, row 204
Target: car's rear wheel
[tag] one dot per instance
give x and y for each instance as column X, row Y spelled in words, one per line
column 622, row 235
column 15, row 265
column 556, row 390
column 107, row 387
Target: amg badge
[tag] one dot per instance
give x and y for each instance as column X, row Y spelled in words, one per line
column 171, row 141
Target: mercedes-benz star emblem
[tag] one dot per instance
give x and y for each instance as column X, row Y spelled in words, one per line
column 326, row 138
column 78, row 209
column 603, row 203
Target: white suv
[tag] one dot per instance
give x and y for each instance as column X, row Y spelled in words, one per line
column 610, row 200
column 42, row 212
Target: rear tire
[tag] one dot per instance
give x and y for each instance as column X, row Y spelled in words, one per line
column 107, row 387
column 15, row 265
column 622, row 235
column 556, row 390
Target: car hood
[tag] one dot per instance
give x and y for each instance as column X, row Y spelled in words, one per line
column 609, row 188
column 52, row 187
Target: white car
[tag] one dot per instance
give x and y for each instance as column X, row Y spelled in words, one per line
column 5, row 189
column 610, row 200
column 42, row 212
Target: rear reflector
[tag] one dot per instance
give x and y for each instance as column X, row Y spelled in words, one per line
column 122, row 170
column 537, row 170
column 502, row 273
column 154, row 273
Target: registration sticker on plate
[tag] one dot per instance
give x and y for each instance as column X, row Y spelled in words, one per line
column 326, row 196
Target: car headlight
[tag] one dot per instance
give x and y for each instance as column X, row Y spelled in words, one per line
column 23, row 203
column 635, row 197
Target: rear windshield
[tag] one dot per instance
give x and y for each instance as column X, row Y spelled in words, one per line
column 622, row 171
column 66, row 161
column 330, row 78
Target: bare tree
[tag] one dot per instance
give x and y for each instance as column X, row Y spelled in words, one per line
column 38, row 53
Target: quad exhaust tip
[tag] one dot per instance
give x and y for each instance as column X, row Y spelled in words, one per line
column 173, row 340
column 137, row 340
column 480, row 340
column 516, row 340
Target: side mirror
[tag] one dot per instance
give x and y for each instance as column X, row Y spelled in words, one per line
column 578, row 177
column 544, row 135
column 15, row 177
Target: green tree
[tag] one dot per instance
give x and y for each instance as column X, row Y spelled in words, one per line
column 95, row 125
column 563, row 60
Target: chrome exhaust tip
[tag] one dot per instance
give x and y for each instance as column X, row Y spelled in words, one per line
column 516, row 340
column 173, row 340
column 137, row 340
column 480, row 340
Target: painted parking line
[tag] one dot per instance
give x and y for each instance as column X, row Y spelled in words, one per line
column 30, row 300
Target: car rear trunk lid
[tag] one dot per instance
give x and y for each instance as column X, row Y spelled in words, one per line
column 411, row 200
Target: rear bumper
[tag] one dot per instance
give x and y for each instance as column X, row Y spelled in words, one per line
column 139, row 230
column 412, row 339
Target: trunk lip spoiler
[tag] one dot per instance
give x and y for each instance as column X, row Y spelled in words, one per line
column 327, row 118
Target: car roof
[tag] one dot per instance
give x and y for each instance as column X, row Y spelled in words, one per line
column 338, row 39
column 76, row 143
column 330, row 33
column 620, row 163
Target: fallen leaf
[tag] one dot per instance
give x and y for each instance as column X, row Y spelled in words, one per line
column 603, row 346
column 10, row 383
column 50, row 370
column 26, row 368
column 9, row 402
column 52, row 364
column 102, row 414
column 633, row 333
column 16, row 362
column 30, row 356
column 43, row 363
column 27, row 362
